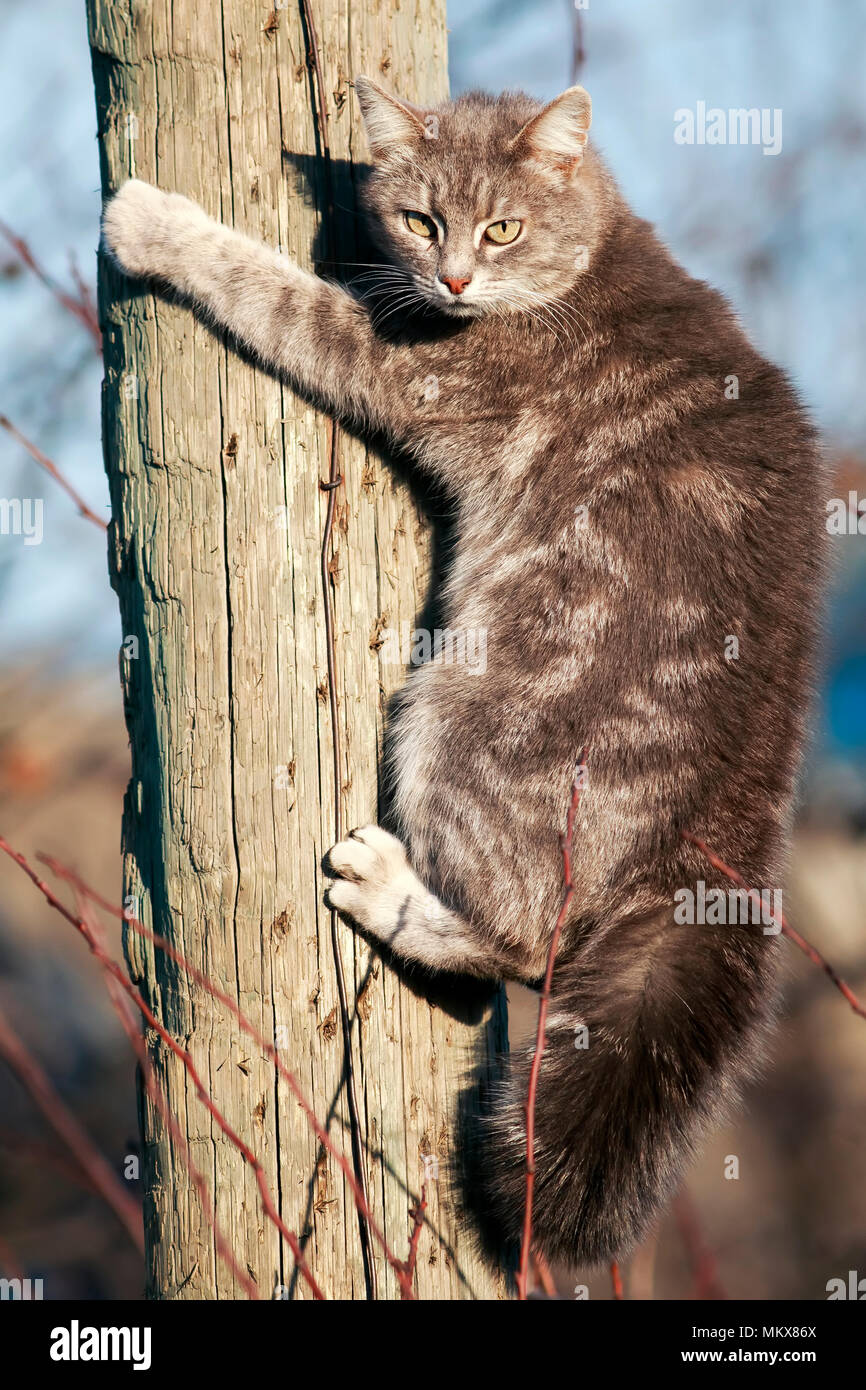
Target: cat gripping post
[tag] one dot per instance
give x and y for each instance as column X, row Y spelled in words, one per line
column 215, row 472
column 535, row 353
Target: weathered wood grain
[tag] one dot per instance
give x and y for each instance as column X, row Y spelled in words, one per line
column 214, row 552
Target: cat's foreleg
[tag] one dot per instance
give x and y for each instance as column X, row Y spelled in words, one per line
column 313, row 331
column 376, row 886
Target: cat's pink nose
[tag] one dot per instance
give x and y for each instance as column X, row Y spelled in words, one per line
column 455, row 286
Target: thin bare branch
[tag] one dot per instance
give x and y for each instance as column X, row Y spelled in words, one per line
column 787, row 930
column 566, row 845
column 97, row 1169
column 81, row 308
column 112, row 967
column 45, row 462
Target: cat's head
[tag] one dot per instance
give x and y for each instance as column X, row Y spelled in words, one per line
column 484, row 204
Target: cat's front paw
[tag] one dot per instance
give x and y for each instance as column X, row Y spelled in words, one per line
column 374, row 880
column 133, row 227
column 148, row 232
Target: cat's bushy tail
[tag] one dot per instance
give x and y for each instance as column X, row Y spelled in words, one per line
column 651, row 1025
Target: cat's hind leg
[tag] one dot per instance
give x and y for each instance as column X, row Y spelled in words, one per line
column 376, row 886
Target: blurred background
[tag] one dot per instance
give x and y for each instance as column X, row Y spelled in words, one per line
column 782, row 236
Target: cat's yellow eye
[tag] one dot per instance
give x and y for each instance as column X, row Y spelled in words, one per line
column 501, row 233
column 420, row 224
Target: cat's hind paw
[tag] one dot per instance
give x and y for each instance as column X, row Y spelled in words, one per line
column 374, row 882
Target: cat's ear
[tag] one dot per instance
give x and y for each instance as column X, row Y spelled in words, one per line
column 387, row 121
column 555, row 139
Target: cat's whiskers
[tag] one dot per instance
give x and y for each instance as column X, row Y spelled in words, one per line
column 551, row 313
column 392, row 285
column 375, row 265
column 536, row 316
column 538, row 310
column 559, row 311
column 387, row 311
column 577, row 317
column 399, row 289
column 381, row 275
column 548, row 312
column 396, row 303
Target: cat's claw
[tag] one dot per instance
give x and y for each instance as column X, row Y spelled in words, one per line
column 373, row 880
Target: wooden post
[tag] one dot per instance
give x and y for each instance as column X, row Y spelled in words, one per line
column 214, row 552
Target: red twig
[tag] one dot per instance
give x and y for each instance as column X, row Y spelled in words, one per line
column 566, row 844
column 82, row 308
column 32, row 1151
column 86, row 300
column 45, row 462
column 163, row 944
column 543, row 1275
column 125, row 1013
column 9, row 1262
column 616, row 1281
column 417, row 1216
column 183, row 1056
column 97, row 1169
column 701, row 1258
column 787, row 930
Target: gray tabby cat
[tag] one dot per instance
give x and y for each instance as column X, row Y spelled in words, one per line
column 625, row 510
